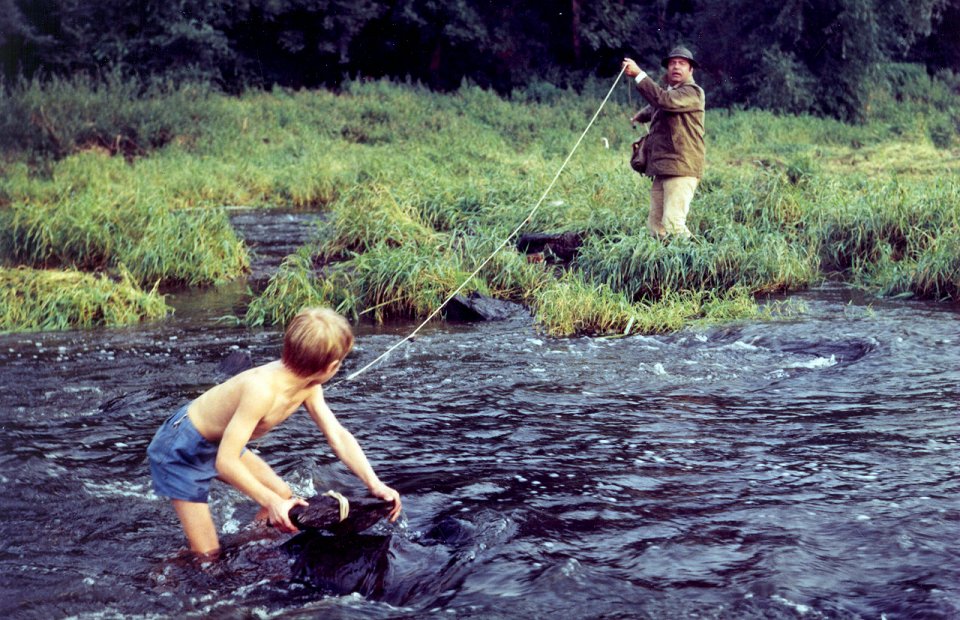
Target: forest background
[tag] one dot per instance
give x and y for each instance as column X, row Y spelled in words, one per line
column 816, row 56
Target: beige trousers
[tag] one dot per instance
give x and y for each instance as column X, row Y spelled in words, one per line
column 670, row 199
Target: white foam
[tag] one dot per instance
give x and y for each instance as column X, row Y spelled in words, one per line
column 801, row 608
column 816, row 363
column 742, row 346
column 117, row 489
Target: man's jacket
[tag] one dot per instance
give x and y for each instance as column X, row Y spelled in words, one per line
column 674, row 146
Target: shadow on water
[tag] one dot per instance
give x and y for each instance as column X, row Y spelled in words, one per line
column 803, row 468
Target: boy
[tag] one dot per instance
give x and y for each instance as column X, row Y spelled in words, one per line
column 206, row 438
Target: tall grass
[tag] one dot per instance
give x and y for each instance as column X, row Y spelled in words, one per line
column 88, row 218
column 735, row 256
column 296, row 285
column 419, row 187
column 59, row 116
column 573, row 305
column 56, row 300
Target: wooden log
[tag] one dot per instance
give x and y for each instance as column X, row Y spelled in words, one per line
column 323, row 513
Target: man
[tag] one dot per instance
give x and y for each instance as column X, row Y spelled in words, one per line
column 674, row 146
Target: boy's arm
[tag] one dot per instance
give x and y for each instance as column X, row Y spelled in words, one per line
column 347, row 449
column 254, row 404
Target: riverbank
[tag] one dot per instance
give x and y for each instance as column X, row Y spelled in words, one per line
column 418, row 187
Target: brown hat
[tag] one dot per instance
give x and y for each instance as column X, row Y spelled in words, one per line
column 680, row 52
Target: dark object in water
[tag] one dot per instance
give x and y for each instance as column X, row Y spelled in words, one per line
column 235, row 363
column 341, row 564
column 323, row 513
column 477, row 307
column 563, row 247
column 450, row 531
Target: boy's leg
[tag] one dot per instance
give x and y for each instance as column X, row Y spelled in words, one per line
column 267, row 477
column 197, row 525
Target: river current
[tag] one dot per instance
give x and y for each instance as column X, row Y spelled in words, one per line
column 803, row 468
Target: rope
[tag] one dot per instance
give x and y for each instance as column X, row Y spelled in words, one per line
column 530, row 215
column 344, row 503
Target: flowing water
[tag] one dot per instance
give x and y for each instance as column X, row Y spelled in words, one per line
column 804, row 468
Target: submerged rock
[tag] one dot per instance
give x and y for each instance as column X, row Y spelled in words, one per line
column 477, row 307
column 235, row 363
column 341, row 564
column 323, row 513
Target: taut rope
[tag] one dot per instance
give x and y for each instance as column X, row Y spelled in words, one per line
column 506, row 240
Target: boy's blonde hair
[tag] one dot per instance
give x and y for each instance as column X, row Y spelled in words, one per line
column 314, row 339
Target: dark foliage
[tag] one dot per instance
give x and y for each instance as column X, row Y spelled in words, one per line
column 794, row 55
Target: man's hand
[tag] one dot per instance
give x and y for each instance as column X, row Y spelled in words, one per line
column 386, row 493
column 279, row 513
column 630, row 68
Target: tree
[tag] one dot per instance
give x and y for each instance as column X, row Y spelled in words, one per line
column 793, row 55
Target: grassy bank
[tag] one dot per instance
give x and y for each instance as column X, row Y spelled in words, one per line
column 45, row 300
column 420, row 187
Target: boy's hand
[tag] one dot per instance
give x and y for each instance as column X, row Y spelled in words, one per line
column 386, row 493
column 279, row 513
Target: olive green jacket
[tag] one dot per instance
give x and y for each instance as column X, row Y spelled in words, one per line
column 674, row 145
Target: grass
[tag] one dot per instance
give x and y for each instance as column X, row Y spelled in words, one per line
column 95, row 214
column 45, row 300
column 574, row 305
column 420, row 187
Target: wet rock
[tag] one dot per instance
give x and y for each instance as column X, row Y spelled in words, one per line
column 323, row 513
column 556, row 247
column 341, row 564
column 477, row 307
column 844, row 350
column 235, row 363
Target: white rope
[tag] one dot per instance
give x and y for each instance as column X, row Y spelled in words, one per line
column 530, row 215
column 343, row 501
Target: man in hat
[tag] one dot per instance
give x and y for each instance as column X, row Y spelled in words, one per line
column 674, row 146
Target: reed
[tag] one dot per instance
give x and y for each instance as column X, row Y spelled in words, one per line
column 866, row 223
column 644, row 268
column 572, row 305
column 46, row 300
column 296, row 285
column 90, row 219
column 58, row 116
column 408, row 282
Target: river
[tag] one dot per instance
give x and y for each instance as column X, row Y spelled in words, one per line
column 799, row 468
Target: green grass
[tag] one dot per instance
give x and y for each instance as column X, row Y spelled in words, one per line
column 573, row 305
column 419, row 187
column 96, row 214
column 46, row 300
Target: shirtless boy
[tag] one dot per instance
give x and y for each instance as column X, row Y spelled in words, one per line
column 207, row 438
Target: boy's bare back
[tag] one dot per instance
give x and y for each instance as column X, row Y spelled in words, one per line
column 269, row 394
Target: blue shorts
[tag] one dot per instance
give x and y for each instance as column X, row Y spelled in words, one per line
column 182, row 461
